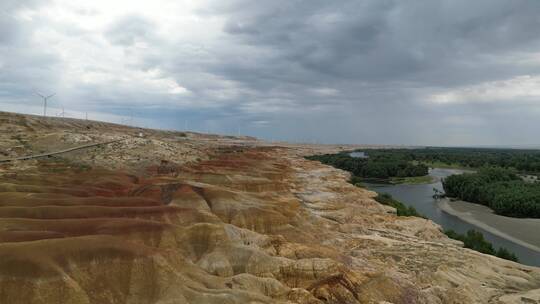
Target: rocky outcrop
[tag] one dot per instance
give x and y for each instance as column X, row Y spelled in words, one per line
column 247, row 224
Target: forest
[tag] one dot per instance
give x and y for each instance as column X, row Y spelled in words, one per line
column 522, row 160
column 500, row 189
column 377, row 166
column 384, row 163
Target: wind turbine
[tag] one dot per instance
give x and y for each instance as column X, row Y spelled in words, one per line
column 45, row 98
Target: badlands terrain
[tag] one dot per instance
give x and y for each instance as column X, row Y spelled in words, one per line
column 180, row 217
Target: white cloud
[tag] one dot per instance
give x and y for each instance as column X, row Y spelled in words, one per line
column 324, row 92
column 105, row 45
column 260, row 123
column 518, row 89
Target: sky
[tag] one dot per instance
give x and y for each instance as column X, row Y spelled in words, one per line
column 419, row 72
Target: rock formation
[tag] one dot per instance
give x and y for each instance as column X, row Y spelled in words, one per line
column 193, row 219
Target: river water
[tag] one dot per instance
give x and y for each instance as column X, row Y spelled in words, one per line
column 421, row 198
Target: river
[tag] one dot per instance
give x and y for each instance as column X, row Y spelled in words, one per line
column 421, row 198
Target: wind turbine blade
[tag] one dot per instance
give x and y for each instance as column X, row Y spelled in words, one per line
column 51, row 95
column 40, row 95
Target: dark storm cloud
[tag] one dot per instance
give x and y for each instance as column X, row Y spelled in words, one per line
column 383, row 58
column 377, row 40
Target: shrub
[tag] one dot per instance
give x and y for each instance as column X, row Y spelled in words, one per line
column 475, row 240
column 401, row 209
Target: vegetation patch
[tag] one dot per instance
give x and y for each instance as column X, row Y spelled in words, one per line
column 357, row 181
column 438, row 164
column 522, row 160
column 501, row 190
column 475, row 240
column 379, row 166
column 401, row 209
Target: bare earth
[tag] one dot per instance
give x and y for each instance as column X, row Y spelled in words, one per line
column 178, row 217
column 520, row 231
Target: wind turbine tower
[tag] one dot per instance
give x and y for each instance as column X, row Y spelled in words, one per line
column 45, row 98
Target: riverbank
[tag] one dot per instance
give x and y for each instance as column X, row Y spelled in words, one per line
column 420, row 197
column 518, row 230
column 415, row 180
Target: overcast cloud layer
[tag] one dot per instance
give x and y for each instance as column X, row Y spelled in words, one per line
column 444, row 72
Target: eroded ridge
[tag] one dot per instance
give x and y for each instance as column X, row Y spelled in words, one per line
column 248, row 225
